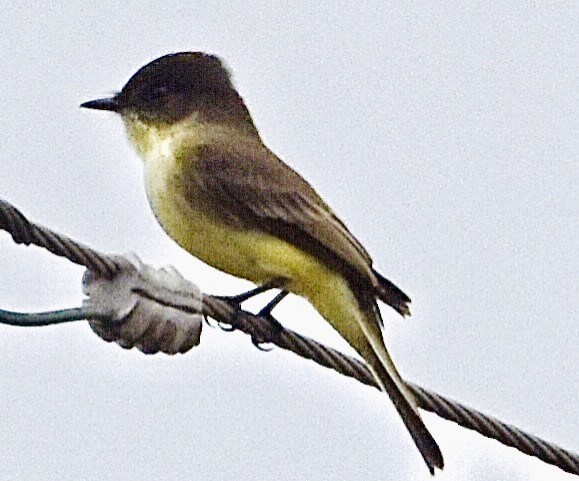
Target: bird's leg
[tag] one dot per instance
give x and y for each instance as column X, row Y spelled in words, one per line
column 275, row 324
column 244, row 296
column 266, row 310
column 276, row 283
column 240, row 299
column 270, row 306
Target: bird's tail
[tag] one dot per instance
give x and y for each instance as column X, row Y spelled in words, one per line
column 387, row 292
column 390, row 381
column 420, row 435
column 351, row 308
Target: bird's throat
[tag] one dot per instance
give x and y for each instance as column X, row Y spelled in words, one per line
column 161, row 142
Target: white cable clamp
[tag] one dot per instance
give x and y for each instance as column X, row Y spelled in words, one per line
column 154, row 310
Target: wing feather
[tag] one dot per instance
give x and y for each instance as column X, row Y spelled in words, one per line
column 253, row 189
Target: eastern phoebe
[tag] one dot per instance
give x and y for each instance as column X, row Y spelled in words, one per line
column 227, row 199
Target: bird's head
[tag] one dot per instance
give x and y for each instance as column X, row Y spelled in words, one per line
column 172, row 88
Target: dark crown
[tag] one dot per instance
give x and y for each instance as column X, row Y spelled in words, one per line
column 171, row 86
column 191, row 71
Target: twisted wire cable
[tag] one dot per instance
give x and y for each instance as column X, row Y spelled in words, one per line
column 25, row 232
column 264, row 329
column 427, row 400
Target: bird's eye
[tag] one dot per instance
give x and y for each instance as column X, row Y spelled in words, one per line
column 158, row 92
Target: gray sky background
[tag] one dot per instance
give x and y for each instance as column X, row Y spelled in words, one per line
column 446, row 137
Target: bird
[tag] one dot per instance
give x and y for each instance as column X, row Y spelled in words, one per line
column 227, row 199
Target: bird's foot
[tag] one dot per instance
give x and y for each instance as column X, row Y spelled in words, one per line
column 275, row 325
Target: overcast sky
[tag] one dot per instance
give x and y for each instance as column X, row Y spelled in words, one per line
column 445, row 137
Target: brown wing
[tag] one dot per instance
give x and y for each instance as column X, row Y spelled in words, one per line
column 252, row 188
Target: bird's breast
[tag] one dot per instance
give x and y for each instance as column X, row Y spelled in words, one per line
column 201, row 229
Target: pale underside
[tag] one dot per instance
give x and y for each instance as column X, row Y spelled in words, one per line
column 246, row 253
column 220, row 231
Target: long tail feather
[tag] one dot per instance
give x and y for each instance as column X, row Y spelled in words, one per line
column 420, row 435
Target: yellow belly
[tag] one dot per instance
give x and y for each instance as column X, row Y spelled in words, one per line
column 250, row 254
column 260, row 257
column 253, row 255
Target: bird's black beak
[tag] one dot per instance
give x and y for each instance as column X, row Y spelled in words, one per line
column 111, row 103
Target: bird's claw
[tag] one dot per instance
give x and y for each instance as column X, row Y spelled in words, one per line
column 225, row 327
column 258, row 344
column 275, row 326
column 207, row 321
